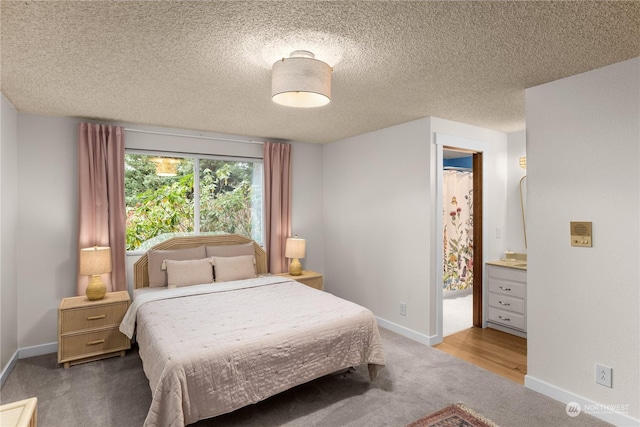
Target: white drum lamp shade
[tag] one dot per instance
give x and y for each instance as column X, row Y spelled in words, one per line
column 301, row 81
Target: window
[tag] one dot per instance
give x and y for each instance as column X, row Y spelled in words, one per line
column 190, row 194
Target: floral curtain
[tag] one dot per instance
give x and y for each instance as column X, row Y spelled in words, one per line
column 458, row 230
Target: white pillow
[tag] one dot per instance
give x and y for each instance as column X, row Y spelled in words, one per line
column 157, row 276
column 189, row 272
column 234, row 268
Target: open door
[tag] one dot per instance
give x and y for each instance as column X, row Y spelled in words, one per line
column 462, row 188
column 477, row 240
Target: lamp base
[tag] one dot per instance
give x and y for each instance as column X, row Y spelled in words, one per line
column 295, row 268
column 96, row 288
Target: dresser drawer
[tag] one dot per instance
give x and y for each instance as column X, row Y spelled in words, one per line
column 505, row 273
column 80, row 319
column 507, row 288
column 506, row 318
column 505, row 302
column 92, row 343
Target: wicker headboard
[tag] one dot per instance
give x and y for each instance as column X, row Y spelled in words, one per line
column 141, row 267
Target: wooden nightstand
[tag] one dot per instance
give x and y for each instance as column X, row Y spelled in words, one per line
column 88, row 330
column 308, row 277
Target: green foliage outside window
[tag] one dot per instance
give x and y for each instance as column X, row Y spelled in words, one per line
column 158, row 206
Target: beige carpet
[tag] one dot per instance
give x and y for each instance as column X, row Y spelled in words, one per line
column 417, row 380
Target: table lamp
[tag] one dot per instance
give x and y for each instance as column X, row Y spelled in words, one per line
column 94, row 262
column 295, row 248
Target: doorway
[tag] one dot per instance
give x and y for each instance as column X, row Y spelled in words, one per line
column 461, row 239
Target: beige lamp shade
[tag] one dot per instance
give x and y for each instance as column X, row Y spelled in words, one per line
column 301, row 81
column 295, row 248
column 166, row 166
column 94, row 262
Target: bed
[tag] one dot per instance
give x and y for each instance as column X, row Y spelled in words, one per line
column 211, row 348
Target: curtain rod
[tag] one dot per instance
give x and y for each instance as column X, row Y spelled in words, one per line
column 246, row 141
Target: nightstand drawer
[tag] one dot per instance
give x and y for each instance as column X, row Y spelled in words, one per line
column 80, row 319
column 92, row 343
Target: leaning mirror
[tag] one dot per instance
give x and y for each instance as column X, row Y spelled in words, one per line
column 523, row 198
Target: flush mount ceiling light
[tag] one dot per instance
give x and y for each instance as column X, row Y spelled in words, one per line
column 301, row 81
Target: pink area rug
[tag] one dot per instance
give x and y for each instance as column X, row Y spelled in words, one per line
column 456, row 415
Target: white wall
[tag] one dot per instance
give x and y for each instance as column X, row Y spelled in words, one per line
column 376, row 221
column 379, row 218
column 47, row 210
column 8, row 236
column 47, row 223
column 516, row 148
column 583, row 153
column 307, row 206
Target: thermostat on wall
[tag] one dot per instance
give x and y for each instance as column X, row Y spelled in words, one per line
column 581, row 234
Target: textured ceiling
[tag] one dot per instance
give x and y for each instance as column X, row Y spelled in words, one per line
column 207, row 65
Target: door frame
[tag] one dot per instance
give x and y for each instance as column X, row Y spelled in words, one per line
column 478, row 266
column 475, row 148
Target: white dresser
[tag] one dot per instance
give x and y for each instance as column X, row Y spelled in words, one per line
column 507, row 299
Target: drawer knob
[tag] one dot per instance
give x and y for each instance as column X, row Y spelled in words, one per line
column 505, row 289
column 101, row 316
column 504, row 303
column 506, row 319
column 96, row 342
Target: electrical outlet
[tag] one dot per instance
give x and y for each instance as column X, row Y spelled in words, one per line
column 403, row 309
column 603, row 375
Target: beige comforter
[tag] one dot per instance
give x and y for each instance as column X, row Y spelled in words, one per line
column 210, row 349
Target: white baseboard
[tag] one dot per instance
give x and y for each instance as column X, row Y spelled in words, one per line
column 598, row 410
column 406, row 332
column 38, row 350
column 23, row 353
column 7, row 369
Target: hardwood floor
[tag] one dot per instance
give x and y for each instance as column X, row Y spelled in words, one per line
column 501, row 353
